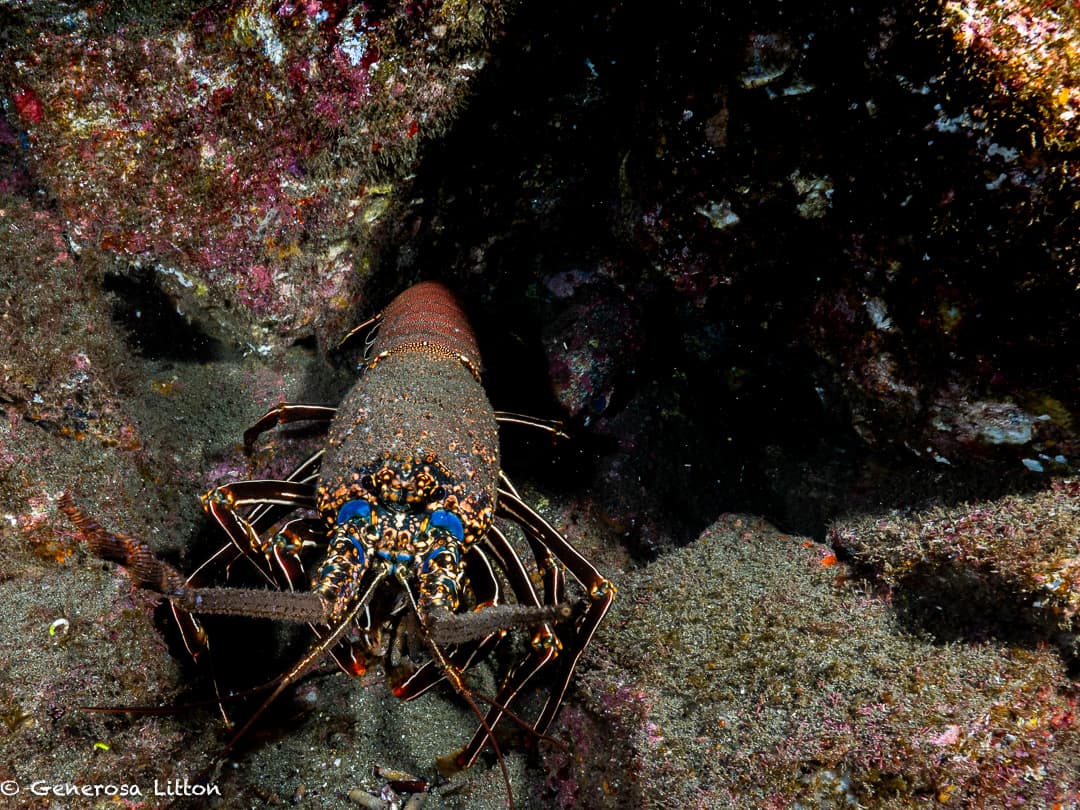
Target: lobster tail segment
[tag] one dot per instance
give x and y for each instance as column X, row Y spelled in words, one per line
column 427, row 318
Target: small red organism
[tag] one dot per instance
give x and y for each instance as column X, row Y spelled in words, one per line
column 28, row 105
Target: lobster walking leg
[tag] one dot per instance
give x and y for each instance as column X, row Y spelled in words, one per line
column 285, row 414
column 271, row 500
column 601, row 593
column 225, row 502
column 264, row 516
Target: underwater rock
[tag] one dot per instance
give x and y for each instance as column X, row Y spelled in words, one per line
column 750, row 669
column 1028, row 58
column 1010, row 565
column 591, row 345
column 247, row 152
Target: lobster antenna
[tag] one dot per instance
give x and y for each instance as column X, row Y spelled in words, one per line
column 316, row 652
column 454, row 677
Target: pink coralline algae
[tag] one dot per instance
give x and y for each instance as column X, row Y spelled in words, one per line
column 1030, row 54
column 28, row 106
column 246, row 151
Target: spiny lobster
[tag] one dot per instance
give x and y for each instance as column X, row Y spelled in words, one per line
column 406, row 491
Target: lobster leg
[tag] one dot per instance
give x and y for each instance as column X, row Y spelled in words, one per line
column 552, row 426
column 264, row 516
column 519, row 579
column 601, row 592
column 261, row 517
column 356, row 330
column 294, row 494
column 224, row 502
column 285, row 549
column 285, row 414
column 549, row 568
column 289, row 544
column 545, row 645
column 512, row 566
column 192, row 634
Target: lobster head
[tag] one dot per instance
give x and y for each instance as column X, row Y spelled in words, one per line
column 408, row 520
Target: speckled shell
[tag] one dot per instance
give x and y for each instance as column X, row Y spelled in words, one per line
column 427, row 314
column 417, row 401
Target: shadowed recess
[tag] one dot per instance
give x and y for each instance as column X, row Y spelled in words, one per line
column 153, row 324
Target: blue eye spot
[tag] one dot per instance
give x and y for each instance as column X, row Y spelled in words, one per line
column 353, row 510
column 448, row 522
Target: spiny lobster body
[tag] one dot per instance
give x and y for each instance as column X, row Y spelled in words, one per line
column 416, row 437
column 420, row 393
column 405, row 543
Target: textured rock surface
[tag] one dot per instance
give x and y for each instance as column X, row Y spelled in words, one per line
column 814, row 263
column 750, row 670
column 247, row 152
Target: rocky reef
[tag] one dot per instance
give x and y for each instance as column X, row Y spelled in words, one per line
column 802, row 282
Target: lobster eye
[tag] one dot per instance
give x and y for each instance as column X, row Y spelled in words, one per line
column 448, row 522
column 353, row 510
